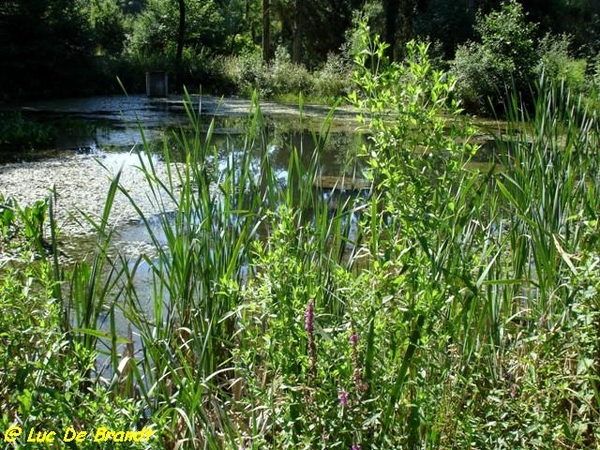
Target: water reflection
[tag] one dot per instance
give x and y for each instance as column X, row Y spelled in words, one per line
column 112, row 129
column 116, row 146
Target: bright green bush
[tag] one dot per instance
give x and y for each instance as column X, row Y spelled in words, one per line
column 335, row 353
column 558, row 64
column 488, row 72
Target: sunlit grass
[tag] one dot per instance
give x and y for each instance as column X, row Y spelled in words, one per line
column 444, row 308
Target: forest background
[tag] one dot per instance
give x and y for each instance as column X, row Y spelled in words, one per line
column 63, row 48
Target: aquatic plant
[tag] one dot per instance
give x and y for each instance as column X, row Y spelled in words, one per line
column 18, row 133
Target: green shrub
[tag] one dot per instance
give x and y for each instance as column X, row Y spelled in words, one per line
column 487, row 72
column 247, row 73
column 483, row 79
column 559, row 65
column 286, row 77
column 334, row 79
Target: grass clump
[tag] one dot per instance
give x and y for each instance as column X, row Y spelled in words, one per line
column 18, row 133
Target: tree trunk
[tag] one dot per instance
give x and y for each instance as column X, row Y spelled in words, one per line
column 180, row 42
column 471, row 8
column 391, row 10
column 249, row 20
column 266, row 31
column 297, row 44
column 407, row 13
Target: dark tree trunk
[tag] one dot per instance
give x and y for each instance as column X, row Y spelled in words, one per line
column 297, row 44
column 391, row 10
column 248, row 20
column 266, row 31
column 407, row 16
column 471, row 10
column 180, row 41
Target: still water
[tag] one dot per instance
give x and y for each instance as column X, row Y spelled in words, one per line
column 112, row 129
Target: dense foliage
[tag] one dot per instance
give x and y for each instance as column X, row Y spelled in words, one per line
column 45, row 47
column 447, row 307
column 67, row 47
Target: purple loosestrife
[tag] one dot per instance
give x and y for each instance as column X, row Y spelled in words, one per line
column 359, row 384
column 343, row 397
column 309, row 326
column 309, row 317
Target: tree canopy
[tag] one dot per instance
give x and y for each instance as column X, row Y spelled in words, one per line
column 57, row 47
column 44, row 46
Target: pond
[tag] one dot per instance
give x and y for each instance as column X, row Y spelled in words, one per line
column 102, row 135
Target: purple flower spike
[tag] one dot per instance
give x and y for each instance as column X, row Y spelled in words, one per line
column 309, row 317
column 355, row 447
column 343, row 397
column 354, row 338
column 309, row 326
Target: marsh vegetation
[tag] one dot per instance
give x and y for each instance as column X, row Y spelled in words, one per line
column 448, row 308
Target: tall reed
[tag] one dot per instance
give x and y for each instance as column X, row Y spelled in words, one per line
column 445, row 308
column 205, row 256
column 549, row 186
